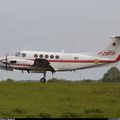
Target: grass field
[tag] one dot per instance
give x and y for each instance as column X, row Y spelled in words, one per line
column 35, row 100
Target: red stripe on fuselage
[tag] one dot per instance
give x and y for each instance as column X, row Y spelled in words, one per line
column 71, row 61
column 82, row 61
column 118, row 58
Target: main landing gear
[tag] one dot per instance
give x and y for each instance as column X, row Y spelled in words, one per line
column 43, row 79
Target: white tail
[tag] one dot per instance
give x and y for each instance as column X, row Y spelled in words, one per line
column 112, row 51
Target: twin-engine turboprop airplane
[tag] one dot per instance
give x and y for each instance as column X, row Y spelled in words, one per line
column 41, row 62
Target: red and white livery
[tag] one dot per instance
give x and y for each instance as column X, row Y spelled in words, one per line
column 41, row 62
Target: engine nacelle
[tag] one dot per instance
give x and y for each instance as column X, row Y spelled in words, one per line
column 20, row 63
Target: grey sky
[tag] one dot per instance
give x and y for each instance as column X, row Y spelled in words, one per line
column 55, row 25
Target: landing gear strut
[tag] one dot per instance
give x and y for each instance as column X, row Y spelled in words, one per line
column 43, row 79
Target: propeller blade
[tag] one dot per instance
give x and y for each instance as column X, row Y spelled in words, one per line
column 6, row 62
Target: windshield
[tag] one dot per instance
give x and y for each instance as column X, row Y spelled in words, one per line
column 17, row 54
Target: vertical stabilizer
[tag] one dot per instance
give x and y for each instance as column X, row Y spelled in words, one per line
column 112, row 51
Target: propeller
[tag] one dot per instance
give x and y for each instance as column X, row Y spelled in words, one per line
column 6, row 61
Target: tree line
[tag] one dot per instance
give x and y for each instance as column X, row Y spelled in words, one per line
column 112, row 75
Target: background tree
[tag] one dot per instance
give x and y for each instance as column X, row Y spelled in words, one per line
column 112, row 75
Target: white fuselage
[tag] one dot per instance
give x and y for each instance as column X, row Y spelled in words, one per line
column 60, row 61
column 41, row 62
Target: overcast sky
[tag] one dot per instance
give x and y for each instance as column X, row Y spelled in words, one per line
column 55, row 25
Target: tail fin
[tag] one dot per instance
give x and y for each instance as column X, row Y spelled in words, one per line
column 112, row 51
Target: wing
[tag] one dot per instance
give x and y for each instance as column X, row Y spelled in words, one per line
column 43, row 64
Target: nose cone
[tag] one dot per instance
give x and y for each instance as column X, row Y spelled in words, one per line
column 3, row 65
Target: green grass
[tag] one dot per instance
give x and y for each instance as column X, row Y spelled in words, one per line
column 35, row 100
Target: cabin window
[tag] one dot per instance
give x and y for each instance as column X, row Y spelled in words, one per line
column 57, row 56
column 41, row 56
column 23, row 55
column 52, row 56
column 46, row 56
column 35, row 55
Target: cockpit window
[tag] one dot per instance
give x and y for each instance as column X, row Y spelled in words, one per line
column 17, row 54
column 23, row 55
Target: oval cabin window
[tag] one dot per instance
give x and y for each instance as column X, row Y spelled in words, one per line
column 36, row 55
column 57, row 56
column 52, row 56
column 41, row 56
column 46, row 56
